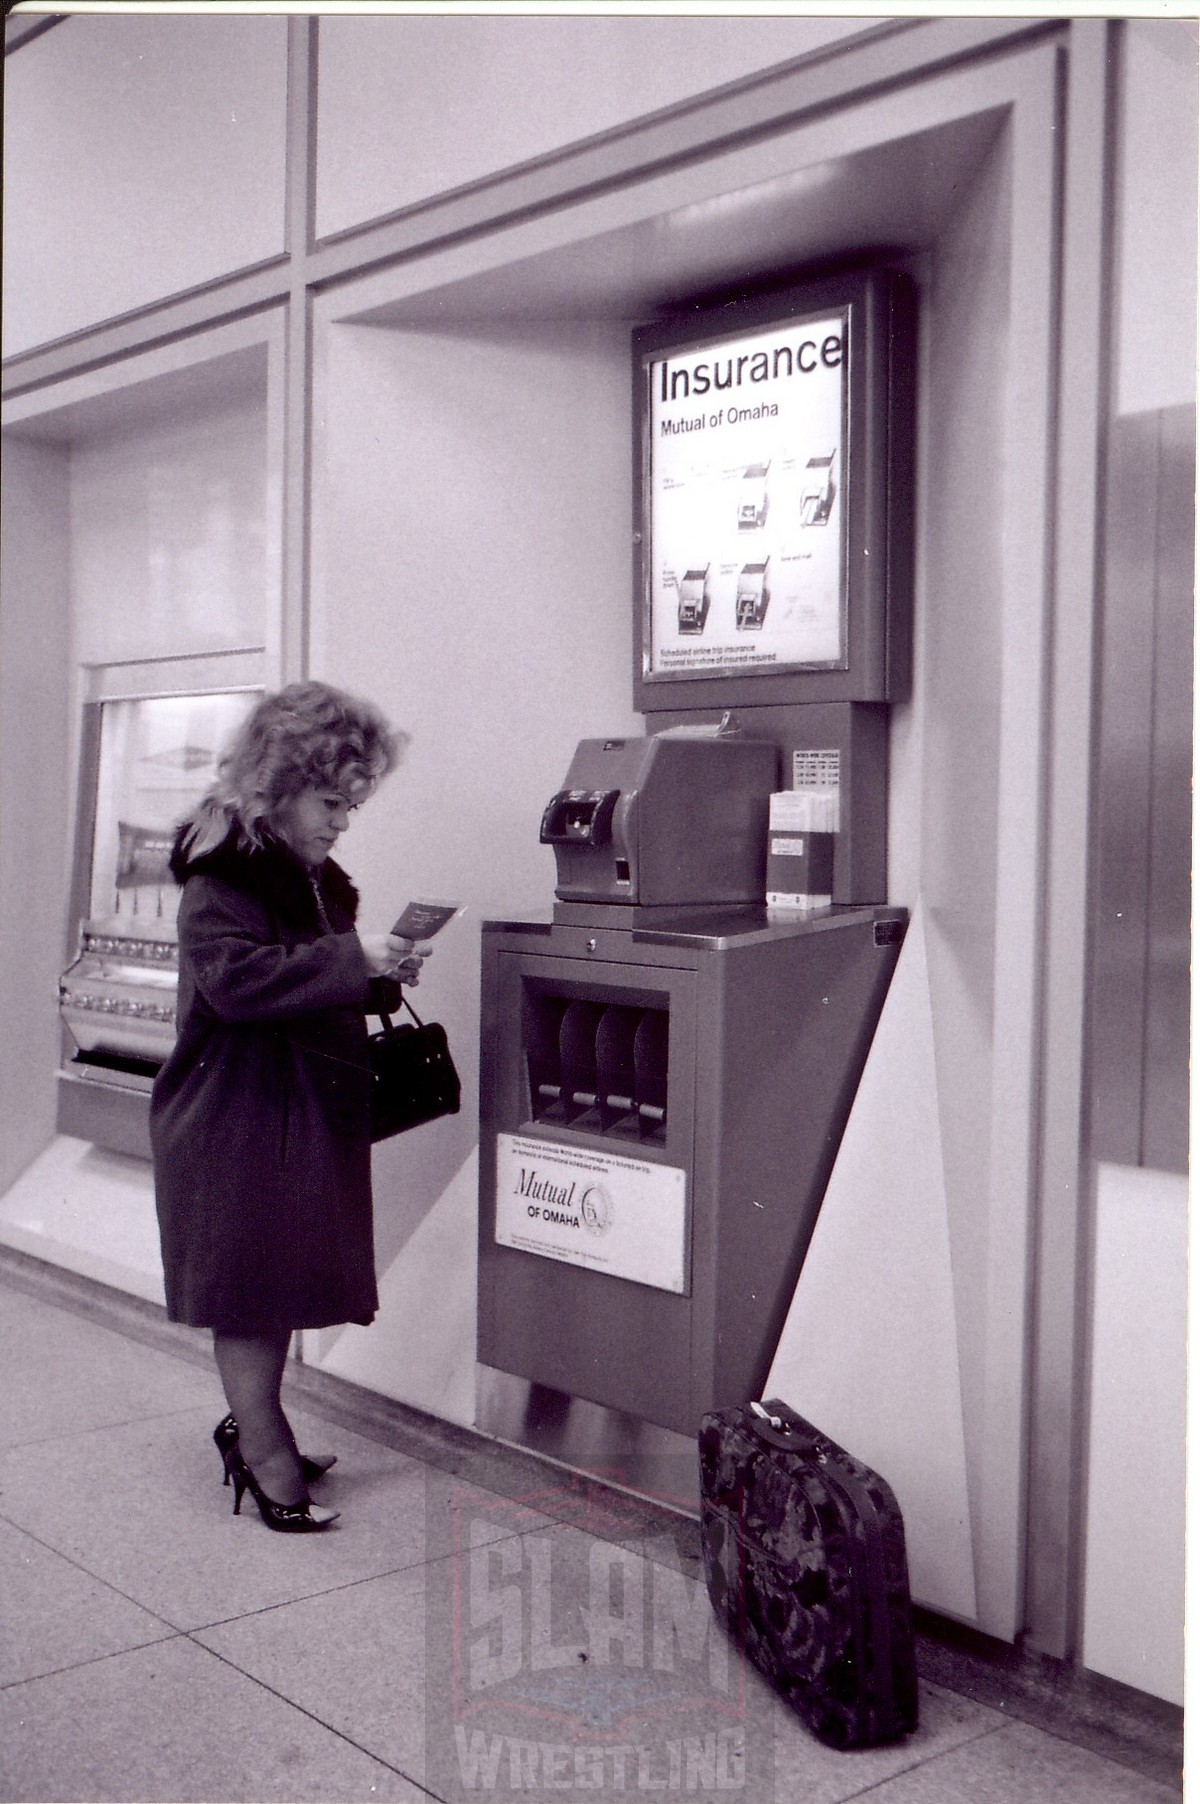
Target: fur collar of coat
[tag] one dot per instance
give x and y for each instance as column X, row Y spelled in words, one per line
column 272, row 872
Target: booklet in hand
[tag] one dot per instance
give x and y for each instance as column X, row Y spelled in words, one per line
column 422, row 919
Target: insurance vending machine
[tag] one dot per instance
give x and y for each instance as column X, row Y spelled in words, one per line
column 668, row 1062
column 663, row 1097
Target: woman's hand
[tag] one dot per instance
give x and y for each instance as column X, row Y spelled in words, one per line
column 391, row 955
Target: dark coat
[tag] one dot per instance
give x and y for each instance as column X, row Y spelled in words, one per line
column 260, row 1118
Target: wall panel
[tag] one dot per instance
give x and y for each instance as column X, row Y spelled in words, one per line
column 411, row 107
column 1156, row 203
column 159, row 165
column 169, row 534
column 471, row 545
column 34, row 789
column 1140, row 1019
column 1133, row 1594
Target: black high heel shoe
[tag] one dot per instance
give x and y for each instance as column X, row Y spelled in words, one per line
column 304, row 1518
column 225, row 1434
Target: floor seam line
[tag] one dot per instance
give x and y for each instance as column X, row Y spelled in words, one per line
column 116, row 1653
column 291, row 1603
column 928, row 1759
column 310, row 1714
column 79, row 1434
column 369, row 1578
column 1067, row 1741
column 97, row 1577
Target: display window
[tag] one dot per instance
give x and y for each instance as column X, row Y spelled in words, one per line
column 157, row 758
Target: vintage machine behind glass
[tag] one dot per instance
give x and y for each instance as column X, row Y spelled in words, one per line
column 146, row 761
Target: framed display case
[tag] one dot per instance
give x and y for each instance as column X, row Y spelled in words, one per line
column 155, row 756
column 146, row 761
column 773, row 497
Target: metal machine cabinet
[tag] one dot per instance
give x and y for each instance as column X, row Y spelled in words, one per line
column 669, row 1097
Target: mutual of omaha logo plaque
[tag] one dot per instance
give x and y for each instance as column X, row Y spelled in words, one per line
column 623, row 1216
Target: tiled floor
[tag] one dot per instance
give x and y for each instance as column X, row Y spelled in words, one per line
column 444, row 1640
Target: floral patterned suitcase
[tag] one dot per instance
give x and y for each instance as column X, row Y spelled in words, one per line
column 805, row 1563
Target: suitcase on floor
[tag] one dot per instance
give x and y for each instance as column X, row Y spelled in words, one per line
column 805, row 1564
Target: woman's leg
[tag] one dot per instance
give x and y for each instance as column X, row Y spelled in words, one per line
column 251, row 1368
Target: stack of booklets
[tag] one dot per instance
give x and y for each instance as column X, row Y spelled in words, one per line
column 800, row 845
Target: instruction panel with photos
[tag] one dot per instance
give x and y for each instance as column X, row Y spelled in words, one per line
column 746, row 476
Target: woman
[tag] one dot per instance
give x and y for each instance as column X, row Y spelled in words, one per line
column 260, row 1118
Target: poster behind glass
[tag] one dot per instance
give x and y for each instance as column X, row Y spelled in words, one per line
column 745, row 473
column 158, row 757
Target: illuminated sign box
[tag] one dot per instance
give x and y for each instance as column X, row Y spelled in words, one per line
column 773, row 499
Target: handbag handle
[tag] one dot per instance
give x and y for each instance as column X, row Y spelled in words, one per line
column 387, row 1019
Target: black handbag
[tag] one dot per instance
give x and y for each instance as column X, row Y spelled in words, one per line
column 413, row 1079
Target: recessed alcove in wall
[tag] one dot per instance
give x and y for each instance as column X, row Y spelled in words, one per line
column 168, row 468
column 508, row 386
column 141, row 532
column 471, row 520
column 128, row 397
column 886, row 201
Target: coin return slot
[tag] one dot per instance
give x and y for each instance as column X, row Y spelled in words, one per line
column 597, row 1068
column 130, row 1063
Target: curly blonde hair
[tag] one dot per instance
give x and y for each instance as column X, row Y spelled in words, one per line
column 307, row 736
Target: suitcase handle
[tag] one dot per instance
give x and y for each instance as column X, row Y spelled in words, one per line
column 777, row 1432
